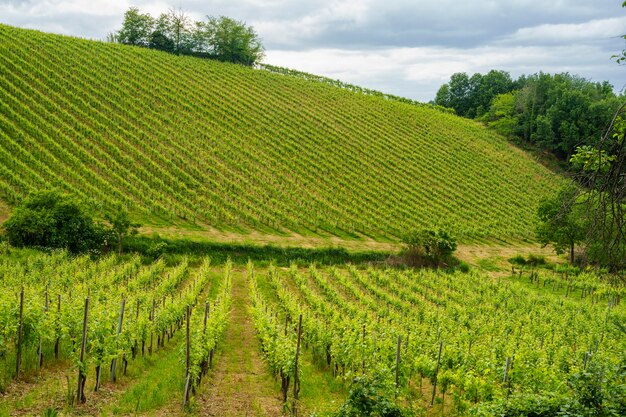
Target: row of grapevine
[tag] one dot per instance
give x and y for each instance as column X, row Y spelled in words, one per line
column 471, row 336
column 94, row 313
column 205, row 328
column 178, row 137
column 280, row 345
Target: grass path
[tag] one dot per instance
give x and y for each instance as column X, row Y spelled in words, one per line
column 240, row 384
column 36, row 390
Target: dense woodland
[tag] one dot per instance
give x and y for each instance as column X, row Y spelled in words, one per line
column 553, row 112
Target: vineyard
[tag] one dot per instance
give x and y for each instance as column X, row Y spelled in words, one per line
column 191, row 142
column 192, row 146
column 453, row 343
column 101, row 315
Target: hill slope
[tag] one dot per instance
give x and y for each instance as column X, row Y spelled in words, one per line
column 179, row 139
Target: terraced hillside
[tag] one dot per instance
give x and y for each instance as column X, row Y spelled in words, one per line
column 184, row 140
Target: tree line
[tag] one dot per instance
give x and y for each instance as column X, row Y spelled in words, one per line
column 556, row 112
column 220, row 38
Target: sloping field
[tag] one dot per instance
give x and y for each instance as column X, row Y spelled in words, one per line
column 183, row 140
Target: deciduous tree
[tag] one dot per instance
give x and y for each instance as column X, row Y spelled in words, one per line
column 562, row 221
column 136, row 28
column 121, row 225
column 232, row 41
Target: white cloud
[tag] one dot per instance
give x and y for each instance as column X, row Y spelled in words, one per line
column 405, row 47
column 593, row 30
column 419, row 72
column 61, row 7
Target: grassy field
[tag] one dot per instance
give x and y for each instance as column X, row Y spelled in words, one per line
column 203, row 145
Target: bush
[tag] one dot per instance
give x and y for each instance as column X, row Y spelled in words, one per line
column 536, row 260
column 518, row 260
column 532, row 260
column 528, row 405
column 53, row 220
column 429, row 248
column 370, row 396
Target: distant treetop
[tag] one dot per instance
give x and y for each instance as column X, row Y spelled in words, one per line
column 220, row 38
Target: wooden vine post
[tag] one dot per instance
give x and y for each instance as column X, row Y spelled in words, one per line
column 207, row 312
column 151, row 317
column 187, row 360
column 40, row 349
column 136, row 343
column 188, row 342
column 398, row 363
column 207, row 305
column 82, row 375
column 432, row 399
column 296, row 379
column 363, row 351
column 212, row 351
column 20, row 330
column 58, row 339
column 506, row 380
column 119, row 330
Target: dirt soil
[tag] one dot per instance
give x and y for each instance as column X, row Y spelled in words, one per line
column 240, row 384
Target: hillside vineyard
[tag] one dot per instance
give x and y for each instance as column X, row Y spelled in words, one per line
column 180, row 139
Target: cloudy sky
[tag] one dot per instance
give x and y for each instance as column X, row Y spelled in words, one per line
column 403, row 47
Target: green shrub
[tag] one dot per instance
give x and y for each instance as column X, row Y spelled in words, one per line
column 370, row 396
column 429, row 248
column 518, row 260
column 53, row 220
column 536, row 260
column 523, row 406
column 463, row 267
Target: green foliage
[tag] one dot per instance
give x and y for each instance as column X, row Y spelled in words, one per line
column 562, row 221
column 50, row 412
column 502, row 115
column 5, row 248
column 229, row 40
column 180, row 141
column 53, row 220
column 121, row 225
column 518, row 260
column 523, row 406
column 429, row 247
column 153, row 247
column 371, row 396
column 472, row 96
column 157, row 249
column 137, row 28
column 555, row 112
column 589, row 159
column 352, row 318
column 569, row 351
column 601, row 171
column 598, row 391
column 222, row 38
column 534, row 260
